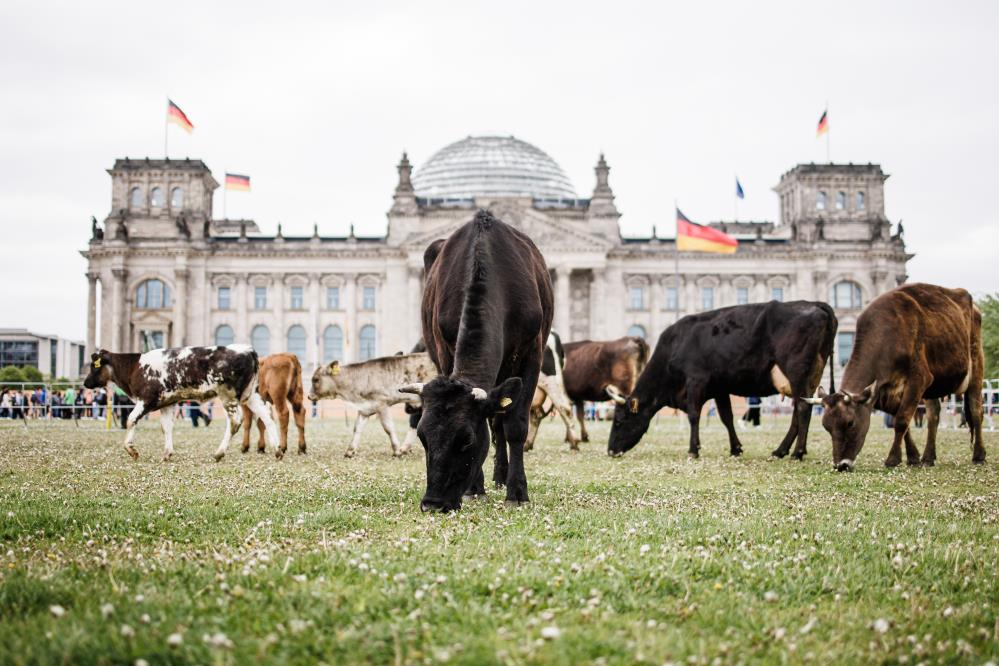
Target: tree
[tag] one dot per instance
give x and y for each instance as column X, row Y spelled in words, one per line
column 32, row 376
column 990, row 333
column 12, row 375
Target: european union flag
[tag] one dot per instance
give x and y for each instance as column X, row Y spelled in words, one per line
column 738, row 189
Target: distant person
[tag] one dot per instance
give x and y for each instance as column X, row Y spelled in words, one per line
column 195, row 412
column 917, row 419
column 753, row 413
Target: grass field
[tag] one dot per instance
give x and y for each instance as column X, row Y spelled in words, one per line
column 647, row 558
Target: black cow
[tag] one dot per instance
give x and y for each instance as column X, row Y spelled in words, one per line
column 161, row 378
column 758, row 349
column 487, row 311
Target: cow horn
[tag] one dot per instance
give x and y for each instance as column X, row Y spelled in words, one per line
column 479, row 394
column 812, row 401
column 416, row 388
column 615, row 394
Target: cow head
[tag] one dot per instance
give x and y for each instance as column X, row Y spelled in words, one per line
column 631, row 420
column 324, row 381
column 454, row 433
column 847, row 417
column 99, row 372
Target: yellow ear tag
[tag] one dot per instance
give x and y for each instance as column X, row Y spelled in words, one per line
column 505, row 402
column 97, row 363
column 336, row 370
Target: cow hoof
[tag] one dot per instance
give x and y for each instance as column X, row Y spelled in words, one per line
column 218, row 457
column 349, row 453
column 246, row 450
column 892, row 462
column 693, row 455
column 912, row 463
column 798, row 456
column 133, row 453
column 262, row 451
column 166, row 457
column 777, row 453
column 978, row 461
column 301, row 451
column 928, row 463
column 471, row 498
column 514, row 503
column 735, row 453
column 574, row 448
column 279, row 454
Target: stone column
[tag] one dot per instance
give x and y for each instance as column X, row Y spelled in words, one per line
column 563, row 304
column 656, row 301
column 350, row 332
column 91, row 314
column 598, row 304
column 118, row 322
column 415, row 298
column 279, row 337
column 241, row 295
column 180, row 308
column 315, row 294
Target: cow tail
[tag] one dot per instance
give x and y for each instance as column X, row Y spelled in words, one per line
column 831, row 328
column 832, row 378
column 643, row 352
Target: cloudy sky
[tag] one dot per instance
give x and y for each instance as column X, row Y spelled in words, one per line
column 318, row 102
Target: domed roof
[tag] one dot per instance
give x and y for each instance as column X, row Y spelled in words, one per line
column 492, row 166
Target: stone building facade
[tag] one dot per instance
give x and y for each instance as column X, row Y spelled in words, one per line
column 163, row 272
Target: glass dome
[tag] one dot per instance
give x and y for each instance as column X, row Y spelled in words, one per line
column 492, row 166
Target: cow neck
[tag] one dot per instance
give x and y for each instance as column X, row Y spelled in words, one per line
column 862, row 368
column 649, row 388
column 123, row 365
column 479, row 349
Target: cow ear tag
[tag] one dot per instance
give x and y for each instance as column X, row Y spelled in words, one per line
column 335, row 369
column 505, row 402
column 634, row 405
column 97, row 363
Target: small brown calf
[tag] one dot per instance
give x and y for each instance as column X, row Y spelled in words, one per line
column 280, row 384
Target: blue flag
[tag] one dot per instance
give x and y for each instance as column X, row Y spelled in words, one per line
column 738, row 189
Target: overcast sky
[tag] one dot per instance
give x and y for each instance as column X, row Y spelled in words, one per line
column 316, row 103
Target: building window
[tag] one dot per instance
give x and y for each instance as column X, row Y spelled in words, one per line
column 260, row 298
column 367, row 339
column 777, row 293
column 332, row 344
column 636, row 331
column 707, row 298
column 135, row 198
column 151, row 340
column 672, row 299
column 260, row 340
column 152, row 295
column 741, row 295
column 846, row 295
column 820, row 201
column 636, row 298
column 840, row 200
column 54, row 357
column 176, row 198
column 296, row 342
column 368, row 298
column 20, row 352
column 860, row 201
column 224, row 335
column 297, row 298
column 156, row 197
column 333, row 298
column 224, row 298
column 844, row 347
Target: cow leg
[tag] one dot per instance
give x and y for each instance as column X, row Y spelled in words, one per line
column 976, row 414
column 724, row 403
column 298, row 409
column 233, row 419
column 584, row 436
column 166, row 424
column 785, row 445
column 137, row 413
column 803, row 418
column 388, row 425
column 261, row 433
column 515, row 433
column 533, row 424
column 281, row 407
column 501, row 463
column 362, row 419
column 906, row 408
column 929, row 458
column 247, row 418
column 695, row 401
column 911, row 452
column 262, row 411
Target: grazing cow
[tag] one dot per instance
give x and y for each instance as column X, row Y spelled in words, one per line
column 163, row 377
column 372, row 387
column 602, row 370
column 280, row 384
column 758, row 349
column 551, row 386
column 916, row 341
column 487, row 311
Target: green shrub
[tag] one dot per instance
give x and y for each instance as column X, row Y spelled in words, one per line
column 11, row 374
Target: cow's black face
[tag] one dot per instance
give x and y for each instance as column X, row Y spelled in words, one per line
column 631, row 420
column 454, row 433
column 100, row 370
column 847, row 417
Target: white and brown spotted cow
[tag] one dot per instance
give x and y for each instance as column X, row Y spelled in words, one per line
column 551, row 387
column 163, row 377
column 372, row 387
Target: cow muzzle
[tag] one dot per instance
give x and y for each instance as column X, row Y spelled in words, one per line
column 844, row 465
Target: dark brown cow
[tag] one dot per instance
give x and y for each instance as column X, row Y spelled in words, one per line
column 916, row 341
column 602, row 370
column 487, row 312
column 280, row 384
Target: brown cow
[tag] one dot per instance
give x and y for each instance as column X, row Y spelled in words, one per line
column 917, row 341
column 280, row 384
column 602, row 370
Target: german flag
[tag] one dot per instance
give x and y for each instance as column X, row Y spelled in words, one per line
column 823, row 124
column 692, row 237
column 178, row 117
column 235, row 181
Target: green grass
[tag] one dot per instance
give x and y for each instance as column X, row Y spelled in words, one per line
column 647, row 558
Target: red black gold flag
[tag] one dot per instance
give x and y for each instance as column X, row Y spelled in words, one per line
column 823, row 124
column 693, row 237
column 178, row 117
column 235, row 181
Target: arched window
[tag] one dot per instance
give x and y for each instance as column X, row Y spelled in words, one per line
column 135, row 198
column 152, row 295
column 367, row 339
column 332, row 344
column 846, row 295
column 860, row 201
column 296, row 342
column 260, row 339
column 176, row 198
column 636, row 331
column 156, row 197
column 820, row 201
column 224, row 335
column 636, row 298
column 840, row 200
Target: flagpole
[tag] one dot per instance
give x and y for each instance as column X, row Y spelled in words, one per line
column 735, row 200
column 676, row 259
column 828, row 152
column 225, row 201
column 166, row 131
